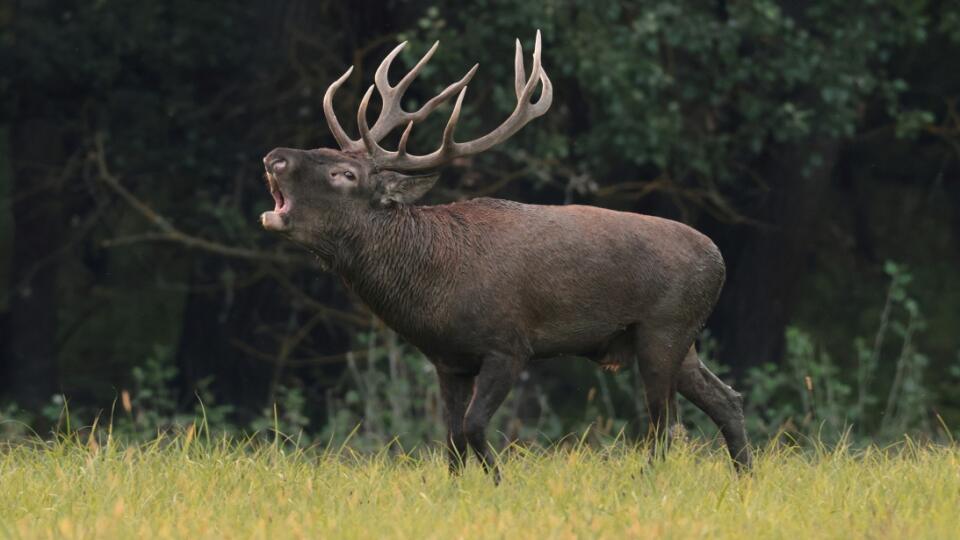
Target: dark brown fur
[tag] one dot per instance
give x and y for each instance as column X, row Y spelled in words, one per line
column 483, row 286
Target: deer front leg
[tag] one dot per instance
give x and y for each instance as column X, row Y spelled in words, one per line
column 456, row 391
column 492, row 385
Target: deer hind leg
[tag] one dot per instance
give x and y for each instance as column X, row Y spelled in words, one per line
column 492, row 385
column 456, row 391
column 720, row 402
column 658, row 360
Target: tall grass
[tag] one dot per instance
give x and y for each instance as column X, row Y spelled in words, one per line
column 189, row 486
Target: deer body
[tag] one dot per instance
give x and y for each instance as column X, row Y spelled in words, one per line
column 463, row 276
column 484, row 286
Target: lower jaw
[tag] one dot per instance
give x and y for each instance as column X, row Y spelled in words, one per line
column 275, row 221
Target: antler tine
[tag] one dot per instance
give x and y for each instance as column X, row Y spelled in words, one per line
column 520, row 75
column 378, row 153
column 344, row 140
column 409, row 77
column 402, row 145
column 381, row 77
column 524, row 112
column 392, row 113
column 546, row 96
column 452, row 123
column 437, row 100
column 534, row 76
column 373, row 149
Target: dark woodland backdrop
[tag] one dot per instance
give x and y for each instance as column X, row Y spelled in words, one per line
column 817, row 142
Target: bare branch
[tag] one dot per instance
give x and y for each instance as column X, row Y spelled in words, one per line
column 169, row 233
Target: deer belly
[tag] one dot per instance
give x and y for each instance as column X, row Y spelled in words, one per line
column 584, row 338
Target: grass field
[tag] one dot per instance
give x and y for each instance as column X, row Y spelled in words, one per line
column 185, row 488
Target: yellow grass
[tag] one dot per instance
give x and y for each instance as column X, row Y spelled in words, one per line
column 186, row 488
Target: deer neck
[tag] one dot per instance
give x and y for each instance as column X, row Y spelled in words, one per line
column 397, row 261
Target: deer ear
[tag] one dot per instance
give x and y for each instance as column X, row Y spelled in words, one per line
column 394, row 188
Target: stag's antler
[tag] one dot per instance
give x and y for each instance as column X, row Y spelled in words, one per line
column 392, row 115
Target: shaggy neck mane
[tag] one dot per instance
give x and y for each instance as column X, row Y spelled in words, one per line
column 398, row 260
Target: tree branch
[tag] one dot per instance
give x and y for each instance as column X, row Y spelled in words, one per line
column 169, row 233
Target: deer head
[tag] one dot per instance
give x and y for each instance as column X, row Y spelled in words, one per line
column 319, row 192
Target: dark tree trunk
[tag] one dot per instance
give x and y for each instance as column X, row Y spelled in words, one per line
column 31, row 356
column 762, row 277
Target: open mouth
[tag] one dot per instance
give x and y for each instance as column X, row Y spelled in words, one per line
column 276, row 219
column 280, row 202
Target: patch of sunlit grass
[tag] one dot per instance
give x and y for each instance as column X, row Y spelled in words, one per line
column 187, row 486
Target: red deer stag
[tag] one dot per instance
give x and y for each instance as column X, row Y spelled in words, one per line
column 482, row 287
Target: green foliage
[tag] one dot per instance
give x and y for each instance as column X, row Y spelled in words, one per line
column 286, row 418
column 388, row 395
column 157, row 406
column 811, row 394
column 807, row 397
column 911, row 123
column 691, row 92
column 14, row 424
